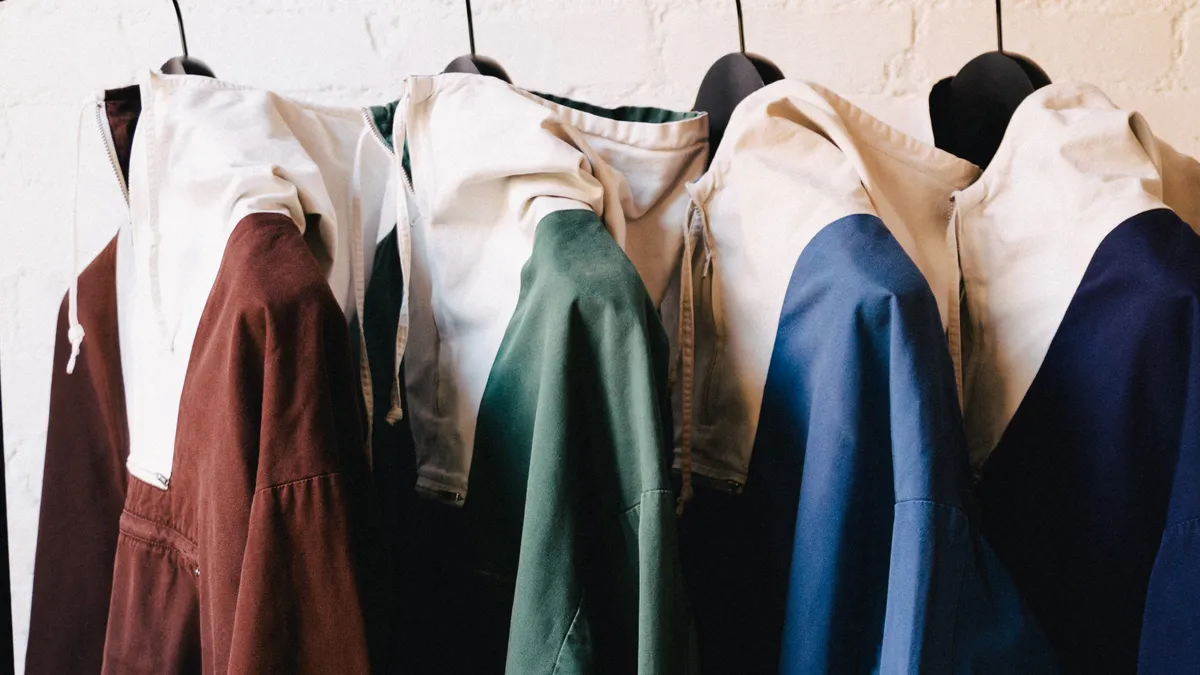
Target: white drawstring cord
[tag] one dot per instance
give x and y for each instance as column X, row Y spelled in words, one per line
column 404, row 244
column 75, row 332
column 358, row 272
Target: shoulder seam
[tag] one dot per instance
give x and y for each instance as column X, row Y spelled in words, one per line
column 1181, row 524
column 297, row 481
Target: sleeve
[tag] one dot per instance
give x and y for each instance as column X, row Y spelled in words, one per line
column 575, row 403
column 1171, row 625
column 83, row 488
column 860, row 438
column 292, row 577
column 302, row 604
column 1170, row 641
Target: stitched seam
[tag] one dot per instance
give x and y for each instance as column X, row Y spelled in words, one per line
column 298, row 481
column 962, row 573
column 562, row 647
column 929, row 501
column 209, row 83
column 159, row 545
column 642, row 497
column 164, row 526
column 962, row 582
column 1181, row 524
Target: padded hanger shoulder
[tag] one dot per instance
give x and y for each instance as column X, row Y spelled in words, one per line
column 477, row 65
column 971, row 111
column 728, row 82
column 184, row 65
column 473, row 63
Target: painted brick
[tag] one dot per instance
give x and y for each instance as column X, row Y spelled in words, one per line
column 587, row 46
column 61, row 55
column 951, row 36
column 847, row 52
column 1173, row 116
column 1190, row 61
column 1130, row 50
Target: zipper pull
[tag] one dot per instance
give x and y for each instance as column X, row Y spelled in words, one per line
column 449, row 495
column 166, row 483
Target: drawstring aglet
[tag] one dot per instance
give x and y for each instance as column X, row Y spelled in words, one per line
column 75, row 335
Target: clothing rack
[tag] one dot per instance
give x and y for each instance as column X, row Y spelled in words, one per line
column 7, row 662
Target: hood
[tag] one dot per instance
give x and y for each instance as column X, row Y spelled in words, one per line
column 642, row 155
column 1072, row 167
column 205, row 156
column 490, row 165
column 795, row 159
column 856, row 164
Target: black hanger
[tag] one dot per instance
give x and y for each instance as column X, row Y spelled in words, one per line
column 184, row 65
column 730, row 80
column 472, row 63
column 971, row 111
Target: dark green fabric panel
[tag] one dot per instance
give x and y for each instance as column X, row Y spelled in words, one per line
column 570, row 474
column 383, row 116
column 624, row 113
column 394, row 466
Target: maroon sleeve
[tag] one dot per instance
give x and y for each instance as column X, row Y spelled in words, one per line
column 83, row 487
column 292, row 579
column 301, row 607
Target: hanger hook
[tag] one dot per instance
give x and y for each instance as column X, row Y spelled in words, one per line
column 182, row 35
column 742, row 30
column 471, row 27
column 999, row 29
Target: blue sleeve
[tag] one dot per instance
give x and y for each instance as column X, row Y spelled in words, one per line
column 886, row 573
column 1170, row 642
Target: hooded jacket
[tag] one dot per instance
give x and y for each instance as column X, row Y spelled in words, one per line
column 246, row 541
column 87, row 442
column 834, row 531
column 538, row 241
column 1081, row 379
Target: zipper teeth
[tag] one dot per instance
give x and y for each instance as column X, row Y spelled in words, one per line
column 101, row 124
column 369, row 119
column 706, row 405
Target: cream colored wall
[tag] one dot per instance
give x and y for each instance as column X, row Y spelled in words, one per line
column 884, row 54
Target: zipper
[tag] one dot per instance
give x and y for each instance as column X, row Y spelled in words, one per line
column 369, row 119
column 452, row 496
column 152, row 478
column 723, row 485
column 706, row 291
column 448, row 495
column 106, row 135
column 954, row 327
column 708, row 302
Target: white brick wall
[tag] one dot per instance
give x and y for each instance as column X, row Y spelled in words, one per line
column 884, row 54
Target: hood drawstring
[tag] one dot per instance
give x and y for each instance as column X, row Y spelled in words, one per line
column 358, row 272
column 404, row 244
column 687, row 350
column 75, row 332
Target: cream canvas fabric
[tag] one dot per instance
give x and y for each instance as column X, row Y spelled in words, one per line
column 205, row 155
